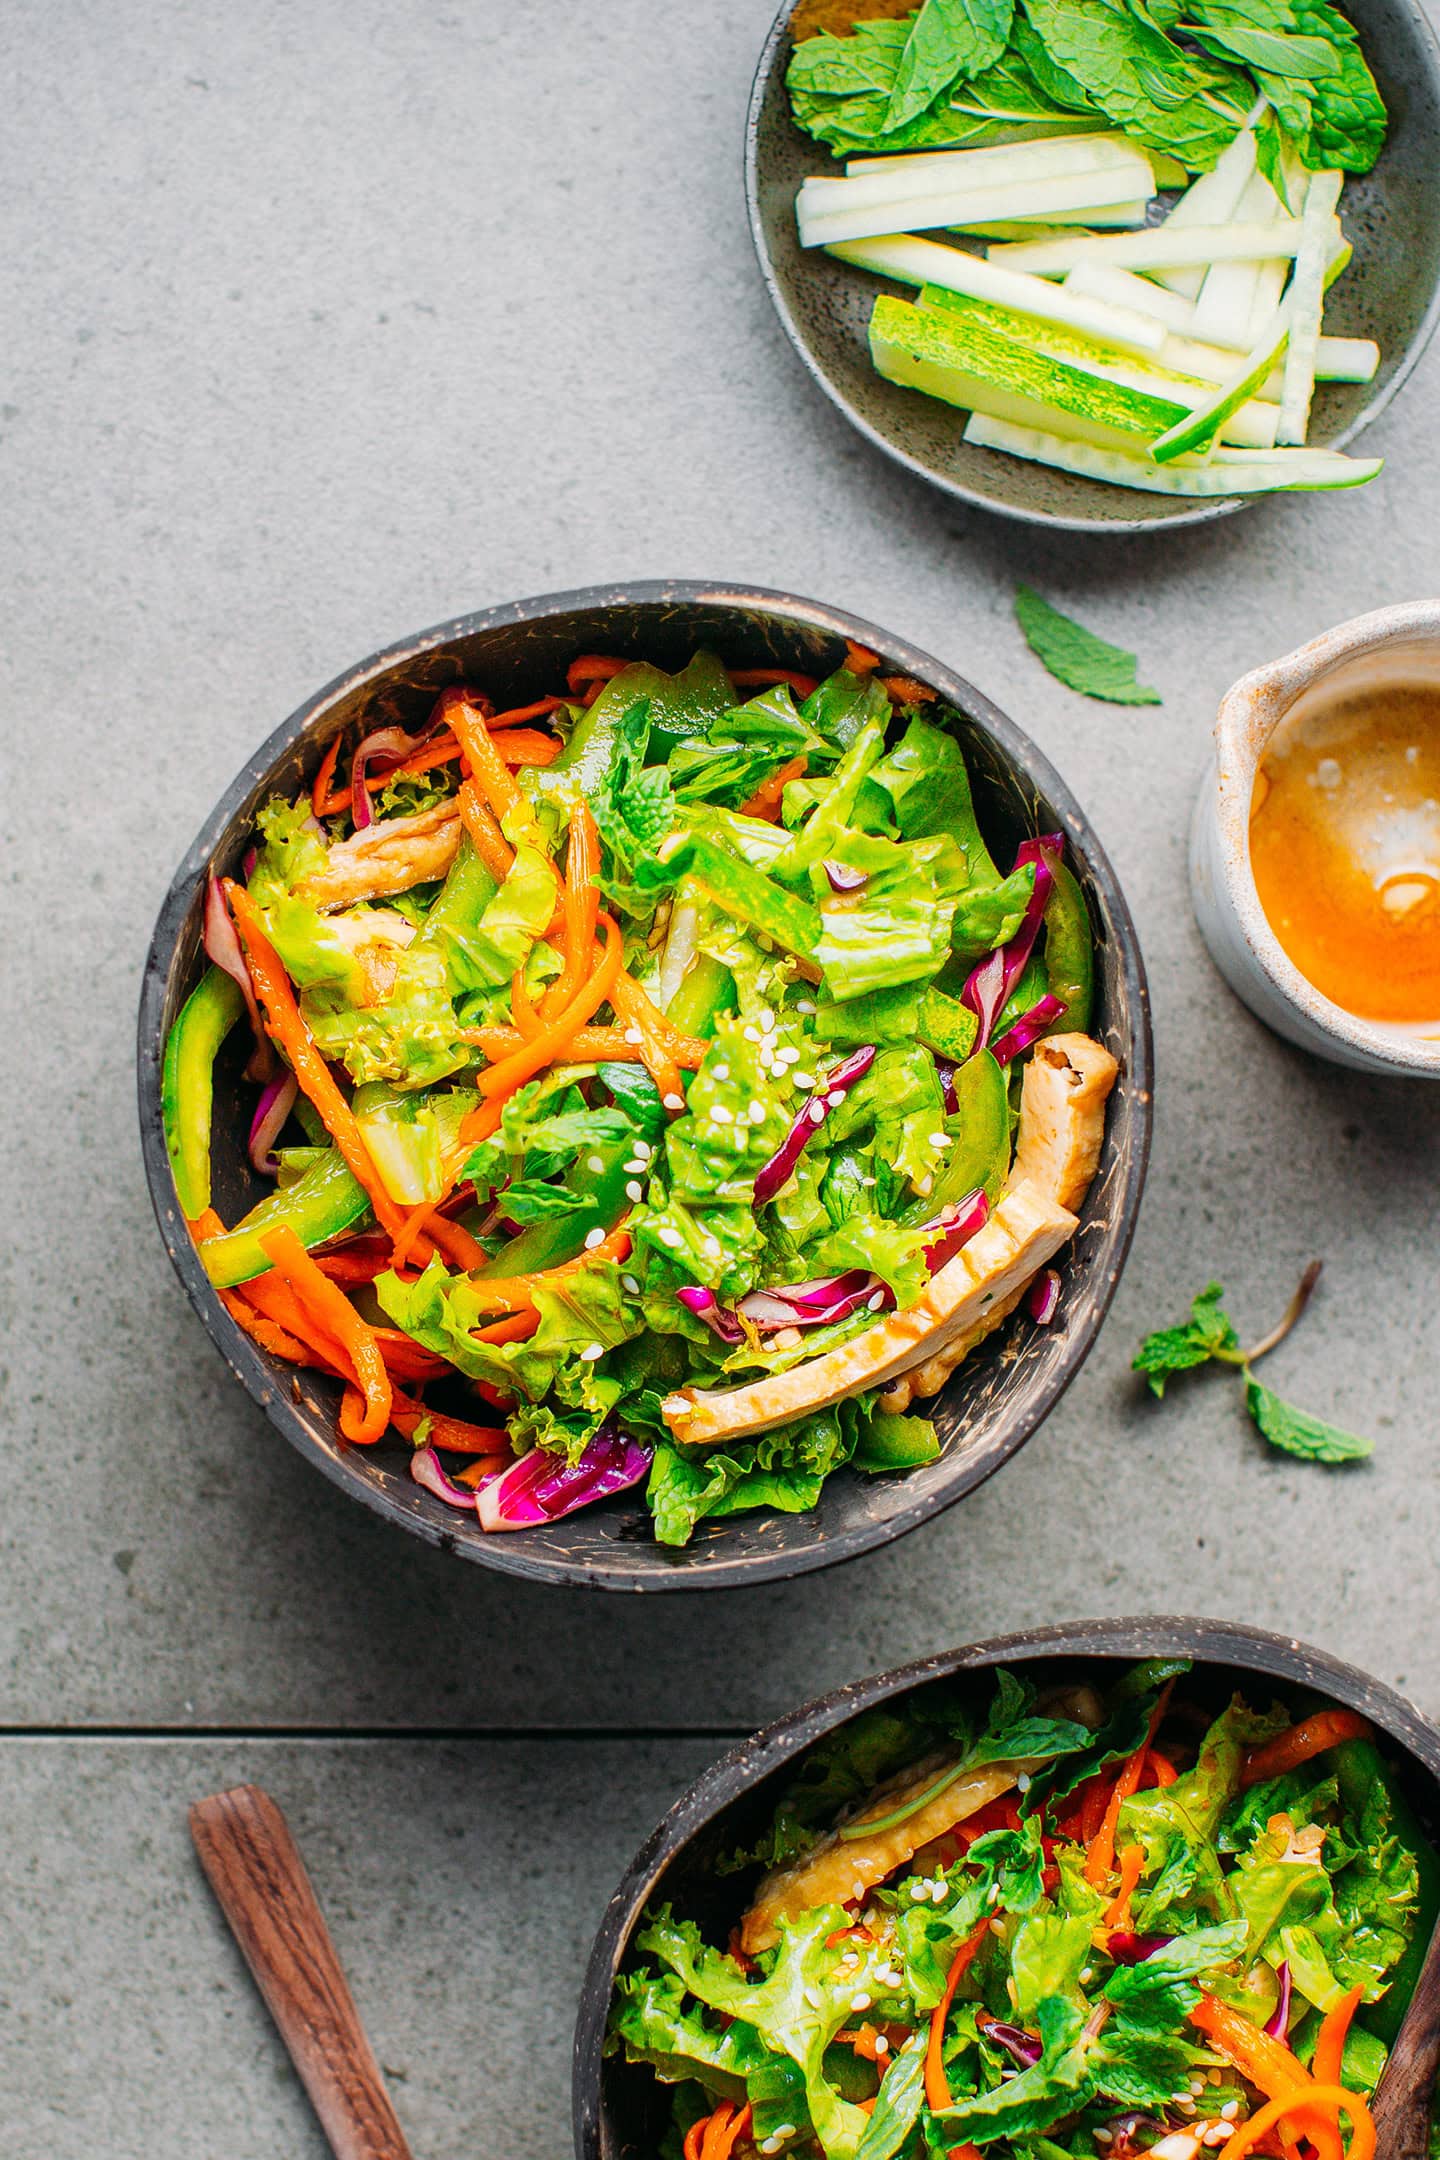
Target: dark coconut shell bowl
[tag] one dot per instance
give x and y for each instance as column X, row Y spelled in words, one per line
column 516, row 653
column 621, row 2110
column 1390, row 292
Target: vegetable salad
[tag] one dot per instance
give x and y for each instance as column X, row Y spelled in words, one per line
column 1125, row 321
column 1105, row 1920
column 645, row 1085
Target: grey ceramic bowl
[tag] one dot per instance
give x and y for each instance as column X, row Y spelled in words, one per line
column 995, row 1400
column 620, row 2111
column 1391, row 292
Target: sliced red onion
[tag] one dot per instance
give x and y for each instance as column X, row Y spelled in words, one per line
column 1022, row 2047
column 247, row 863
column 540, row 1487
column 274, row 1106
column 954, row 1227
column 1123, row 2141
column 707, row 1307
column 844, row 879
column 945, row 1074
column 1027, row 1029
column 1128, row 1949
column 992, row 981
column 1044, row 1296
column 222, row 945
column 816, row 1304
column 427, row 1470
column 1279, row 2025
column 385, row 747
column 829, row 1093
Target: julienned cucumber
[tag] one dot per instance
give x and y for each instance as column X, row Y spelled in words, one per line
column 1228, row 472
column 912, row 261
column 965, row 365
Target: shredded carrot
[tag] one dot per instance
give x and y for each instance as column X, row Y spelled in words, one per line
column 721, row 2132
column 330, row 1307
column 272, row 1297
column 964, row 2152
column 1266, row 2061
column 516, row 714
column 1100, row 1856
column 487, row 768
column 760, row 678
column 693, row 2137
column 504, row 1293
column 406, row 1359
column 580, row 906
column 1312, row 1736
column 484, row 1466
column 268, row 1333
column 481, row 823
column 766, row 800
column 590, row 1045
column 906, row 691
column 287, row 1028
column 321, row 789
column 639, row 1013
column 1132, row 1867
column 937, row 2084
column 591, row 668
column 1325, row 2103
column 1330, row 2046
column 859, row 658
column 515, row 1327
column 554, row 1038
column 453, row 1434
column 527, row 1021
column 1159, row 1770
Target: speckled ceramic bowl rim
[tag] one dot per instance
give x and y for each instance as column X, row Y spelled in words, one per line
column 1208, row 1642
column 1249, row 714
column 1200, row 514
column 397, row 1498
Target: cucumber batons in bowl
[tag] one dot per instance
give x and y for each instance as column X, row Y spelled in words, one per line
column 1389, row 293
column 520, row 652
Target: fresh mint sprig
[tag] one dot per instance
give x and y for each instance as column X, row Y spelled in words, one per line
column 1209, row 1336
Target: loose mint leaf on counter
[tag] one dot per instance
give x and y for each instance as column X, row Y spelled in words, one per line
column 1298, row 1433
column 1205, row 1335
column 1078, row 658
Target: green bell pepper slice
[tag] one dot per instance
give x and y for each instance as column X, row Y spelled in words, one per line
column 980, row 1125
column 706, row 990
column 680, row 706
column 187, row 1084
column 319, row 1205
column 1069, row 953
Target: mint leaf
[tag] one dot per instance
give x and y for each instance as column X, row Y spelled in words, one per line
column 948, row 38
column 1206, row 1334
column 1175, row 101
column 1076, row 657
column 1298, row 1433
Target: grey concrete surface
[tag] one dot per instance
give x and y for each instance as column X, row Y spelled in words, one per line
column 462, row 1884
column 324, row 321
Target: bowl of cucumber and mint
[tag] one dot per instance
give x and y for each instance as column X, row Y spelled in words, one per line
column 1103, row 267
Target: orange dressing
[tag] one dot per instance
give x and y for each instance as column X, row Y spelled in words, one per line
column 1345, row 849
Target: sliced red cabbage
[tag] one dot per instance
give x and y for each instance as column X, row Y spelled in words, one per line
column 991, row 982
column 945, row 1074
column 828, row 1092
column 1279, row 2024
column 707, row 1307
column 843, row 879
column 1123, row 2141
column 540, row 1487
column 385, row 747
column 222, row 945
column 817, row 1304
column 1128, row 1949
column 1022, row 2047
column 1027, row 1029
column 427, row 1470
column 1044, row 1296
column 275, row 1104
column 955, row 1227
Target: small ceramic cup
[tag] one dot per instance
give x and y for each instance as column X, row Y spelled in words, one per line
column 1394, row 645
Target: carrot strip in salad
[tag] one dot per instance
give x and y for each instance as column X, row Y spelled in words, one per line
column 554, row 1038
column 487, row 768
column 1330, row 2046
column 1132, row 1867
column 320, row 792
column 591, row 1045
column 1323, row 2103
column 1258, row 2055
column 906, row 691
column 592, row 668
column 761, row 678
column 267, row 1333
column 330, row 1307
column 1159, row 1770
column 642, row 1016
column 480, row 822
column 1312, row 1736
column 1100, row 1857
column 455, row 1435
column 514, row 1327
column 580, row 908
column 859, row 658
column 516, row 714
column 766, row 800
column 937, row 2084
column 502, row 1293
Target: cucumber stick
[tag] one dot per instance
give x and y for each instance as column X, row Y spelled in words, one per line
column 1233, row 292
column 1337, row 359
column 1114, row 287
column 1228, row 472
column 1305, row 305
column 926, row 262
column 1157, row 248
column 964, row 364
column 825, row 210
column 1213, row 199
column 1005, row 161
column 1253, row 425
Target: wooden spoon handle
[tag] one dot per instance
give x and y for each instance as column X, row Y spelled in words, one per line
column 257, row 1874
column 1402, row 2102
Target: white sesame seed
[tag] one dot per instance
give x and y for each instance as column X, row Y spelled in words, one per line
column 634, row 1190
column 942, row 1139
column 644, row 1150
column 882, row 2045
column 1087, row 1974
column 997, row 1927
column 1197, row 2084
column 771, row 2145
column 860, row 2002
column 593, row 1238
column 1101, row 2135
column 594, row 1163
column 868, row 1183
column 1023, row 1782
column 992, row 1894
column 767, row 1019
column 919, row 1892
column 629, row 1283
column 673, row 1102
column 751, row 1034
column 817, row 1113
column 923, row 1184
column 591, row 1351
column 634, row 1164
column 874, row 1303
column 756, row 1113
column 804, row 1005
column 722, row 1113
column 670, row 1237
column 633, row 1035
column 784, row 2130
column 836, row 1098
column 805, row 1080
column 1230, row 2110
column 719, row 1072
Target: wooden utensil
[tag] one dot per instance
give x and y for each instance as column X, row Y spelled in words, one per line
column 1402, row 2102
column 257, row 1874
